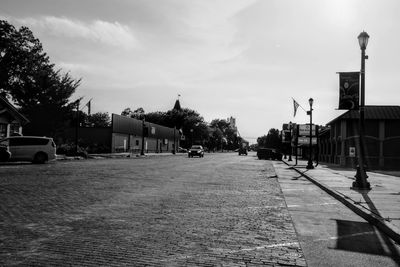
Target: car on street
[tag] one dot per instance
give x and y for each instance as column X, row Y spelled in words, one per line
column 196, row 150
column 269, row 153
column 36, row 149
column 242, row 151
column 5, row 154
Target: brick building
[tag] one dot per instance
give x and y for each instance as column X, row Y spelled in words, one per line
column 382, row 138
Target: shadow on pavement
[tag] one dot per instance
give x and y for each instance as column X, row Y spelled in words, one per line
column 362, row 237
column 358, row 237
column 394, row 252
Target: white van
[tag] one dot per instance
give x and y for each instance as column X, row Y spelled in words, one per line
column 30, row 148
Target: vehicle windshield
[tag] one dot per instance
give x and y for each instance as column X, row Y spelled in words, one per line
column 196, row 147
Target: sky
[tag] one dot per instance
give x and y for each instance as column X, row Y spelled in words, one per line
column 241, row 58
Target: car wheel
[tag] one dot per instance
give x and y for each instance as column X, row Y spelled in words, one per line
column 40, row 158
column 4, row 156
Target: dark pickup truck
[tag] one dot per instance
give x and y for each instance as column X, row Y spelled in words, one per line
column 269, row 153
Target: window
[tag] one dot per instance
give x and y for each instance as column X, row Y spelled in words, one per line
column 28, row 141
column 3, row 130
column 14, row 128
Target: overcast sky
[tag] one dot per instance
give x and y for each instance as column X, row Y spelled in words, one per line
column 245, row 59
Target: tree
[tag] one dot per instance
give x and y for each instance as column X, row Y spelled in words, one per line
column 99, row 119
column 137, row 114
column 228, row 132
column 271, row 140
column 28, row 78
column 22, row 57
column 127, row 112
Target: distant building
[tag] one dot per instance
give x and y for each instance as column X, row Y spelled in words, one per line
column 11, row 121
column 127, row 136
column 338, row 143
column 232, row 123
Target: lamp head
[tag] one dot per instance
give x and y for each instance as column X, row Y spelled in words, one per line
column 311, row 101
column 363, row 40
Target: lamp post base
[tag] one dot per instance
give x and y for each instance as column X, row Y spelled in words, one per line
column 361, row 180
column 310, row 165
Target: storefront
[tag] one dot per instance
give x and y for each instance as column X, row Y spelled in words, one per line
column 340, row 144
column 127, row 136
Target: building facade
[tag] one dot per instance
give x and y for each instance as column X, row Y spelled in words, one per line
column 11, row 121
column 127, row 136
column 339, row 143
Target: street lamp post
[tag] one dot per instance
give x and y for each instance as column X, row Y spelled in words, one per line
column 143, row 134
column 290, row 141
column 310, row 164
column 361, row 175
column 77, row 128
column 174, row 151
column 191, row 137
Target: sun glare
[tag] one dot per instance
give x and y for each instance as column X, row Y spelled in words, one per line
column 340, row 12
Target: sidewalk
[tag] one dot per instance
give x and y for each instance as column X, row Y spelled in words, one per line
column 380, row 206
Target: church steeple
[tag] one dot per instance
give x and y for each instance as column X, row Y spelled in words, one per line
column 177, row 105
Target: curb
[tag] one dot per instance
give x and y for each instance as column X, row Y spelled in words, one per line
column 373, row 219
column 114, row 156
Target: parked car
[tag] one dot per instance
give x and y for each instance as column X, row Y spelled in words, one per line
column 269, row 153
column 5, row 154
column 30, row 148
column 182, row 150
column 242, row 151
column 196, row 150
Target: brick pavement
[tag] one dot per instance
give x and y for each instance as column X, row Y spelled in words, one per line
column 222, row 210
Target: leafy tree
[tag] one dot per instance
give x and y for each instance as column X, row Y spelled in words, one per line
column 136, row 114
column 99, row 119
column 127, row 112
column 157, row 117
column 22, row 58
column 228, row 132
column 28, row 78
column 271, row 140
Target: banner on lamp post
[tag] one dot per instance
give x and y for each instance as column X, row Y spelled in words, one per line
column 349, row 92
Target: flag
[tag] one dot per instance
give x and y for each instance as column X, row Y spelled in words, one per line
column 89, row 106
column 349, row 83
column 295, row 105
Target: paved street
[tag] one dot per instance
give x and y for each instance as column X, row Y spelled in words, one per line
column 220, row 210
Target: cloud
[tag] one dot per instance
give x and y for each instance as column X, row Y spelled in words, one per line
column 109, row 33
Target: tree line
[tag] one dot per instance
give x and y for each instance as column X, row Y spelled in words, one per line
column 39, row 90
column 43, row 93
column 219, row 134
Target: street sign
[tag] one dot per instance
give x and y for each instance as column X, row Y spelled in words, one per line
column 352, row 151
column 304, row 140
column 304, row 129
